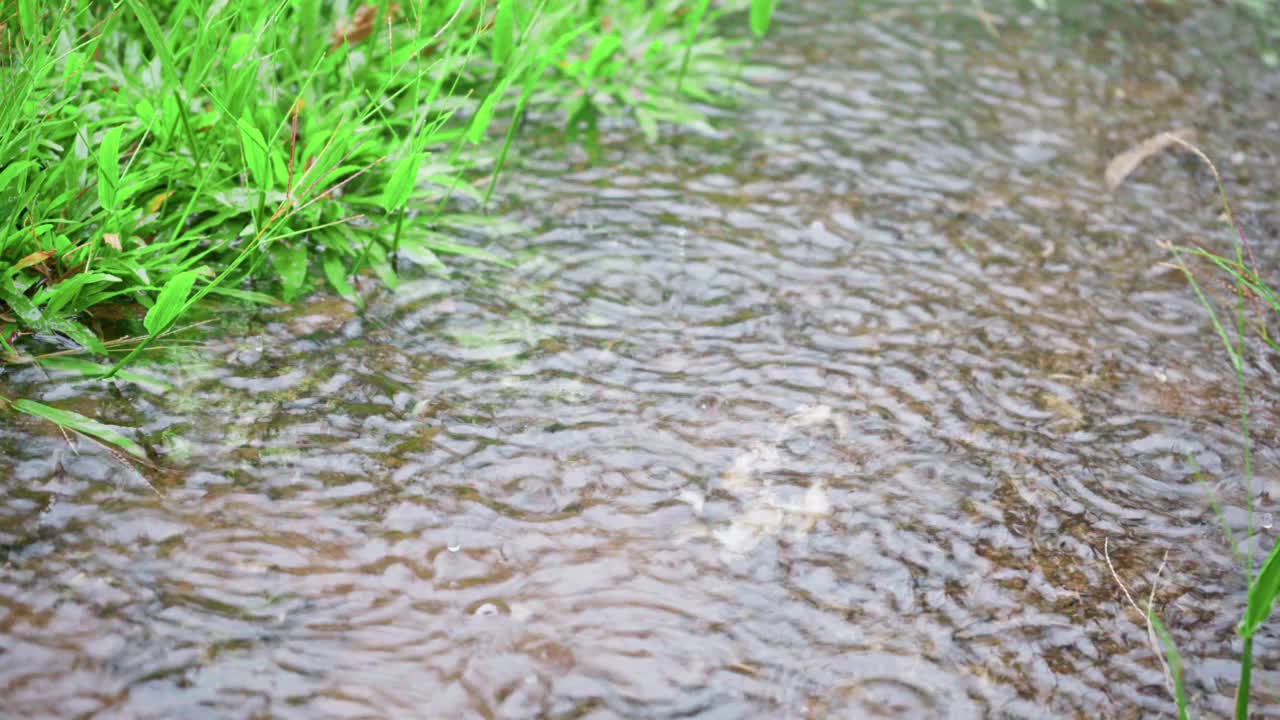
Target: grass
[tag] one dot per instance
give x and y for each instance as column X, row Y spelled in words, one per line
column 1251, row 292
column 160, row 155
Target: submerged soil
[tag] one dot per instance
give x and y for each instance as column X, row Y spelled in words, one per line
column 831, row 414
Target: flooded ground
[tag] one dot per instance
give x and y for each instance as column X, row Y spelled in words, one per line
column 828, row 416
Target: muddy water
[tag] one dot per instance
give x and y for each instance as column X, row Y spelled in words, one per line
column 830, row 415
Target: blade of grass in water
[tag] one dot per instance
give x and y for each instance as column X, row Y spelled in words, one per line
column 75, row 421
column 1174, row 662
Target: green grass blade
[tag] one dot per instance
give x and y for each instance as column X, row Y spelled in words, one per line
column 109, row 168
column 402, row 182
column 336, row 272
column 93, row 371
column 1262, row 594
column 503, row 31
column 255, row 154
column 75, row 421
column 1175, row 664
column 147, row 19
column 170, row 302
column 761, row 15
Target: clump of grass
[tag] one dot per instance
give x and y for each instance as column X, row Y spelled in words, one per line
column 154, row 154
column 1250, row 290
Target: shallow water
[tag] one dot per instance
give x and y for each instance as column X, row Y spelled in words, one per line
column 830, row 415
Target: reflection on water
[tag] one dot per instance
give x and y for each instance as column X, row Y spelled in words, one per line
column 829, row 416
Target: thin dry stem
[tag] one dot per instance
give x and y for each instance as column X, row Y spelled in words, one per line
column 1222, row 194
column 1151, row 630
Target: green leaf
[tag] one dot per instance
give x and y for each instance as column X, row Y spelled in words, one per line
column 761, row 14
column 484, row 115
column 79, row 333
column 421, row 255
column 693, row 20
column 237, row 48
column 382, row 268
column 20, row 304
column 109, row 168
column 146, row 111
column 170, row 302
column 71, row 71
column 75, row 421
column 12, row 171
column 604, row 48
column 55, row 297
column 29, row 19
column 1262, row 594
column 503, row 31
column 152, row 29
column 249, row 296
column 1174, row 662
column 290, row 262
column 434, row 242
column 402, row 182
column 92, row 370
column 255, row 154
column 336, row 271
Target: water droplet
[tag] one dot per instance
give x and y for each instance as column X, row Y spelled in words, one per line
column 1268, row 520
column 454, row 544
column 486, row 610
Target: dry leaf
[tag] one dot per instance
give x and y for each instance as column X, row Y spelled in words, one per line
column 113, row 240
column 153, row 205
column 34, row 258
column 1126, row 162
column 360, row 26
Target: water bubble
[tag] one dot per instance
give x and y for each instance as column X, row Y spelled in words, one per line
column 486, row 610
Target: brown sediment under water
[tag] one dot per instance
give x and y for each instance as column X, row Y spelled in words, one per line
column 827, row 414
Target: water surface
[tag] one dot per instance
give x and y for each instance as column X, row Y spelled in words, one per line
column 829, row 415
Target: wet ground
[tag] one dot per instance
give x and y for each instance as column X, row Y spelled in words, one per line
column 830, row 415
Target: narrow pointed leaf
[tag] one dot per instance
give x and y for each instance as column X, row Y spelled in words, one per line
column 503, row 31
column 255, row 154
column 79, row 423
column 1174, row 662
column 170, row 302
column 109, row 168
column 1262, row 594
column 290, row 262
column 151, row 27
column 484, row 115
column 402, row 182
column 761, row 14
column 12, row 171
column 336, row 272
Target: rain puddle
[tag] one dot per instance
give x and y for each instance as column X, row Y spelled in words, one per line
column 829, row 415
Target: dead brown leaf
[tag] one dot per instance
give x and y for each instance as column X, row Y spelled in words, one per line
column 1126, row 162
column 34, row 258
column 113, row 240
column 359, row 27
column 153, row 205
